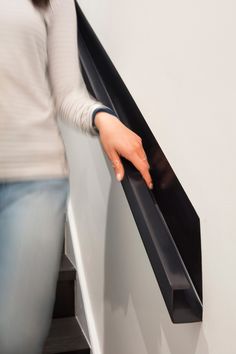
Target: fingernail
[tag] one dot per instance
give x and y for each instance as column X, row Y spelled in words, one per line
column 150, row 185
column 118, row 176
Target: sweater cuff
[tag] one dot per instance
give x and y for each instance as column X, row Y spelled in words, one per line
column 107, row 109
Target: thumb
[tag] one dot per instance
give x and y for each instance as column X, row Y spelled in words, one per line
column 117, row 165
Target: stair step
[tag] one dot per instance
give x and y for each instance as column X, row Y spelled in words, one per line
column 64, row 305
column 67, row 269
column 65, row 337
column 65, row 293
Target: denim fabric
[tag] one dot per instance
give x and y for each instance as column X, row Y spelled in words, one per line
column 32, row 218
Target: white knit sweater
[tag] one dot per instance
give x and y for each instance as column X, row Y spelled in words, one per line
column 40, row 81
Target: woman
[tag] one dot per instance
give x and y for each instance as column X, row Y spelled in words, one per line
column 40, row 78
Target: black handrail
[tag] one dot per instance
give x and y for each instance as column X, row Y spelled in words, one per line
column 161, row 225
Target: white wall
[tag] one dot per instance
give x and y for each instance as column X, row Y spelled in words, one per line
column 177, row 58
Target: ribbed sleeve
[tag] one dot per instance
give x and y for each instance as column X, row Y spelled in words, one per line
column 73, row 102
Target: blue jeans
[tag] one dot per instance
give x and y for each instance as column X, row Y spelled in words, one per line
column 32, row 219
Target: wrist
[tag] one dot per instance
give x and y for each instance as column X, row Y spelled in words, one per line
column 101, row 110
column 98, row 119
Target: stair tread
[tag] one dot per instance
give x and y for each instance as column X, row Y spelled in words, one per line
column 65, row 336
column 67, row 269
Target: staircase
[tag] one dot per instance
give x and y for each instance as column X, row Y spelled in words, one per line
column 65, row 334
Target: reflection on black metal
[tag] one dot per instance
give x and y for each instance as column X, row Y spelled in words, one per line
column 165, row 217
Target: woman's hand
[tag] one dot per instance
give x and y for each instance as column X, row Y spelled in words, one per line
column 117, row 139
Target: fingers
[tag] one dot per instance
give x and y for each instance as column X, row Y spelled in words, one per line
column 138, row 157
column 141, row 153
column 138, row 148
column 143, row 167
column 132, row 151
column 117, row 165
column 141, row 164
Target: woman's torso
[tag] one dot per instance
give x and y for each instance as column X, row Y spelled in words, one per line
column 30, row 141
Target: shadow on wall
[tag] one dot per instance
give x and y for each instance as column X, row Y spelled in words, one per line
column 136, row 320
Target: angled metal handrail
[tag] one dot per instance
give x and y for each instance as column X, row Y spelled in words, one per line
column 182, row 296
